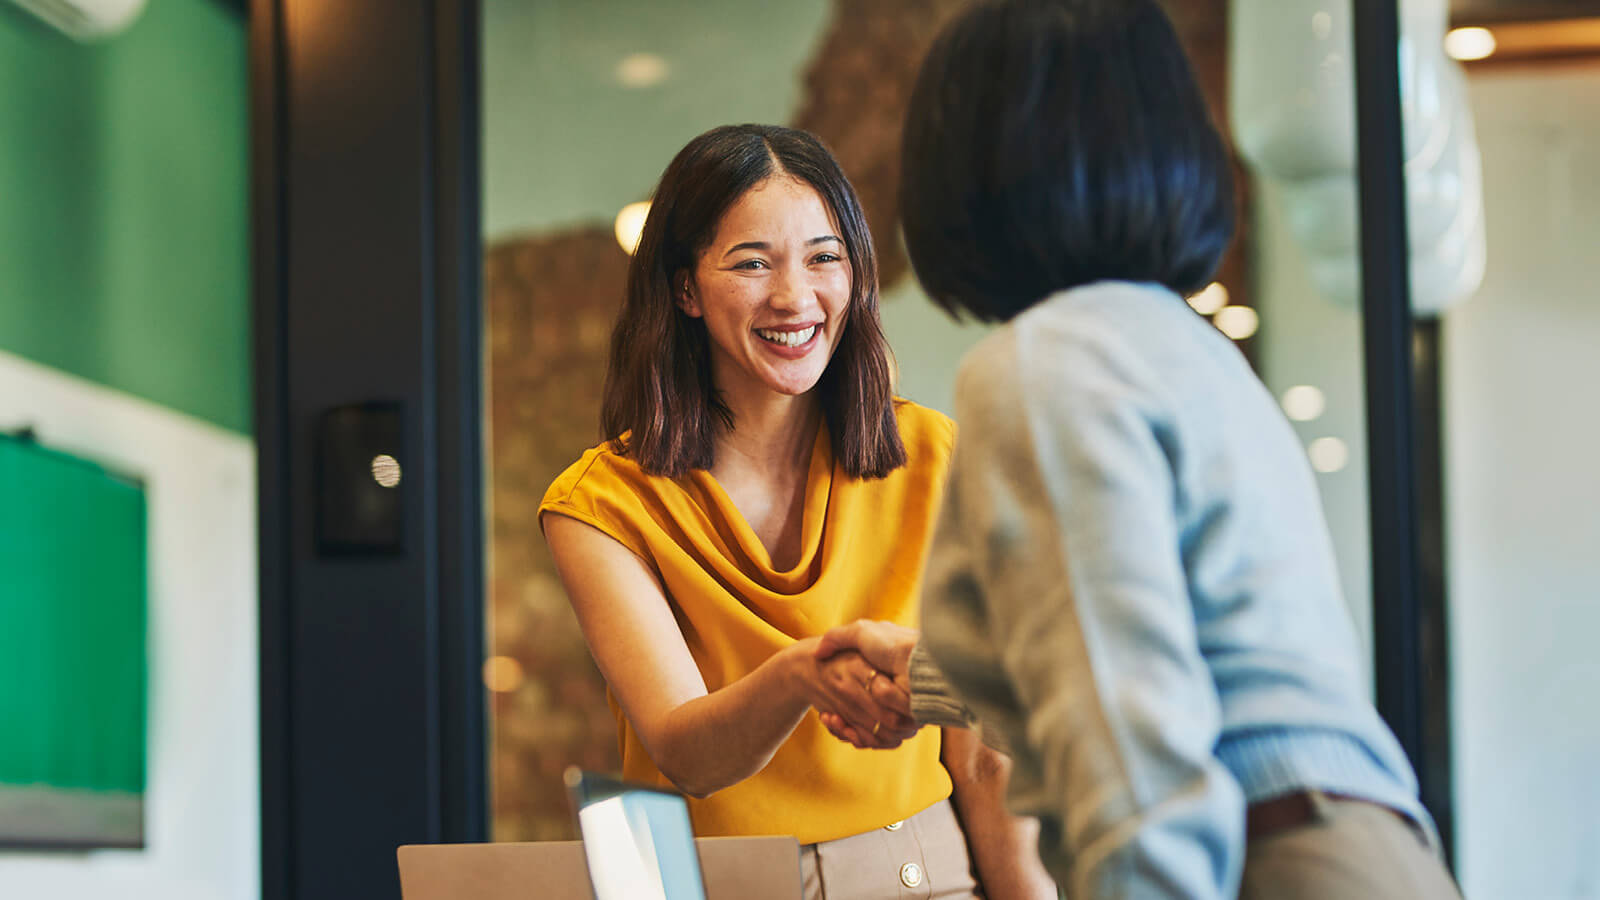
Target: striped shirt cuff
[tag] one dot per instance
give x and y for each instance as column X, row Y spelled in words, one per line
column 933, row 703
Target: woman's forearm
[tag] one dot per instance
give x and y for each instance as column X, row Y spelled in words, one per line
column 724, row 737
column 1004, row 848
column 1005, row 853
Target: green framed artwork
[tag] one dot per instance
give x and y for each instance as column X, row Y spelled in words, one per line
column 73, row 591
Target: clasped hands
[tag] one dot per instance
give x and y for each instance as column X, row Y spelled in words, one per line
column 865, row 669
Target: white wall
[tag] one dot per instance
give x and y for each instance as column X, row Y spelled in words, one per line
column 1522, row 368
column 202, row 810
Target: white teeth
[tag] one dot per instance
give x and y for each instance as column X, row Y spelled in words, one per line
column 787, row 338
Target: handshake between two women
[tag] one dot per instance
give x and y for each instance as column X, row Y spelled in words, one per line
column 864, row 683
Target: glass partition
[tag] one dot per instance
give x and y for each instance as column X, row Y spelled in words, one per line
column 586, row 101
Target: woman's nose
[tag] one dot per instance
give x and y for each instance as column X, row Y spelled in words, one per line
column 791, row 290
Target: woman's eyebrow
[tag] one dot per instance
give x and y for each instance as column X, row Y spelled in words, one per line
column 763, row 245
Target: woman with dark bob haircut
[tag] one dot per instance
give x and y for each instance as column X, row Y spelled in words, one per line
column 757, row 484
column 1131, row 581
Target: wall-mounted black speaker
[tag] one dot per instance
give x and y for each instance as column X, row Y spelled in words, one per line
column 360, row 480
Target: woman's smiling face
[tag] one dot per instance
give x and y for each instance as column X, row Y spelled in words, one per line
column 773, row 288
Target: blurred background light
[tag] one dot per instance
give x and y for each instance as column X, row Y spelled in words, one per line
column 1237, row 322
column 1208, row 301
column 502, row 674
column 1328, row 454
column 1303, row 402
column 630, row 224
column 642, row 70
column 1468, row 44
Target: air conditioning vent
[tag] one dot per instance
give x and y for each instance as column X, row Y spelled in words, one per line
column 86, row 20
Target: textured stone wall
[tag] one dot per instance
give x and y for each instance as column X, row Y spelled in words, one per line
column 551, row 302
column 856, row 90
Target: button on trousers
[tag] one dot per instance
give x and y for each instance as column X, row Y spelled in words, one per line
column 924, row 857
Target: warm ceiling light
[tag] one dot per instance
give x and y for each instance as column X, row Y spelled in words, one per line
column 642, row 70
column 1467, row 44
column 1328, row 454
column 1303, row 403
column 1208, row 301
column 1237, row 322
column 630, row 224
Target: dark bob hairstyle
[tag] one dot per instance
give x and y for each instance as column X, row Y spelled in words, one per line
column 660, row 407
column 1054, row 143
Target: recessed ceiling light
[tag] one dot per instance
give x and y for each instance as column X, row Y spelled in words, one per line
column 1467, row 44
column 642, row 70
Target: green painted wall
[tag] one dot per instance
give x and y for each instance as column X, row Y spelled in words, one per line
column 124, row 217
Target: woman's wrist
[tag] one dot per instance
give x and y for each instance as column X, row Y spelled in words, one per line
column 799, row 668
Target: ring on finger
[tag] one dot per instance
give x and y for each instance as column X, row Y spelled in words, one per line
column 875, row 727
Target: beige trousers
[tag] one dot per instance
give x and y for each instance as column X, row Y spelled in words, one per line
column 1352, row 850
column 924, row 857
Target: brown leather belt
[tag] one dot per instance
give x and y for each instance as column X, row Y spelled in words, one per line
column 1268, row 817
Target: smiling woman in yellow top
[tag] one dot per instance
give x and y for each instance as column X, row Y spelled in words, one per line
column 758, row 485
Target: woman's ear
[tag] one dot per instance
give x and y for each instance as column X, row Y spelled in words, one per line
column 683, row 294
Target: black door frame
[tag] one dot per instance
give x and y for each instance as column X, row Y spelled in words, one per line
column 365, row 145
column 367, row 264
column 1411, row 657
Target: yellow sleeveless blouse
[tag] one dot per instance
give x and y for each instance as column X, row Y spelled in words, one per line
column 864, row 543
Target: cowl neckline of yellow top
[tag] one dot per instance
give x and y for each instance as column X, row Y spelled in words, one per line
column 721, row 517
